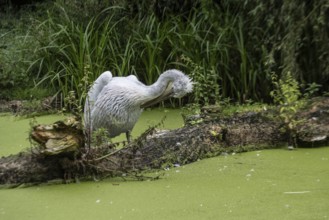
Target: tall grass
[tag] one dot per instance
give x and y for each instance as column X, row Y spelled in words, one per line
column 232, row 49
column 74, row 55
column 151, row 38
column 146, row 48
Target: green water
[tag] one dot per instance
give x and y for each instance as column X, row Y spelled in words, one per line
column 269, row 184
column 14, row 130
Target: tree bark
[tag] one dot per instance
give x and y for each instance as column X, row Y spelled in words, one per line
column 204, row 136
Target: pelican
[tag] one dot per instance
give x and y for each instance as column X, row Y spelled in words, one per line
column 116, row 103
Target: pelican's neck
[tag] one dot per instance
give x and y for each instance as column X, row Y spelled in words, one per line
column 160, row 90
column 157, row 88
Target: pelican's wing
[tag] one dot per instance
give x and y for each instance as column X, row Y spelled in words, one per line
column 98, row 86
column 94, row 91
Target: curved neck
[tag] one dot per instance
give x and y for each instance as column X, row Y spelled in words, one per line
column 160, row 90
column 161, row 84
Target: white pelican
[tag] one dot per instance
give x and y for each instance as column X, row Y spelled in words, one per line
column 115, row 103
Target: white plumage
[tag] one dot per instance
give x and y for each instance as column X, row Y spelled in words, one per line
column 116, row 103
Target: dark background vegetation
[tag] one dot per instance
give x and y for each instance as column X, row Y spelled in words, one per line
column 230, row 48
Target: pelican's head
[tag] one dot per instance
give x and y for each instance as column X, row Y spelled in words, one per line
column 177, row 84
column 182, row 85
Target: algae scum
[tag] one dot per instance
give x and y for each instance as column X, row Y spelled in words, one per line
column 269, row 184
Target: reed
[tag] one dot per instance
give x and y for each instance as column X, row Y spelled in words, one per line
column 232, row 50
column 71, row 50
column 147, row 48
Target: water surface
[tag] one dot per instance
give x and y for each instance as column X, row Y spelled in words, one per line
column 14, row 131
column 269, row 184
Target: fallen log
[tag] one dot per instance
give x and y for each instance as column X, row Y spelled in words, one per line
column 62, row 154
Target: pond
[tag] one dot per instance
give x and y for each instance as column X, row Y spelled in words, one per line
column 14, row 130
column 268, row 184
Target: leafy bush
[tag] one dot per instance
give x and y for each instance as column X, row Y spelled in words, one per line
column 286, row 93
column 16, row 50
column 206, row 89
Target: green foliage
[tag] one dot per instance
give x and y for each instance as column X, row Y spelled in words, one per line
column 16, row 46
column 206, row 89
column 99, row 137
column 232, row 48
column 286, row 90
column 230, row 109
column 286, row 93
column 326, row 94
column 72, row 55
column 30, row 93
column 312, row 89
column 72, row 104
column 13, row 54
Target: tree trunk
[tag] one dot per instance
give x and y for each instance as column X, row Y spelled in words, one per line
column 207, row 135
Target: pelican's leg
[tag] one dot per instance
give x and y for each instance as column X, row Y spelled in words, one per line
column 128, row 136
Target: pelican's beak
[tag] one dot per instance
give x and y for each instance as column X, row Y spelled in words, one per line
column 165, row 95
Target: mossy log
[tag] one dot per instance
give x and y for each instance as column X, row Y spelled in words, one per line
column 61, row 152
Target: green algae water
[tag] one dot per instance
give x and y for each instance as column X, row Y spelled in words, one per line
column 268, row 184
column 14, row 131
